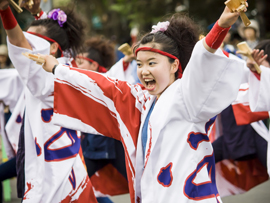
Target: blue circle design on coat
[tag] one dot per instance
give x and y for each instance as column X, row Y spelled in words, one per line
column 165, row 176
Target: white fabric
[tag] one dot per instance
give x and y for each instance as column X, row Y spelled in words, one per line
column 11, row 87
column 246, row 69
column 183, row 108
column 46, row 180
column 10, row 92
column 129, row 75
column 259, row 90
column 14, row 123
column 260, row 99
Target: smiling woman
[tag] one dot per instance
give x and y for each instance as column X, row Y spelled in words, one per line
column 162, row 123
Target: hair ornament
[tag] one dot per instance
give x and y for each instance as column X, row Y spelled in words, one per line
column 161, row 26
column 59, row 15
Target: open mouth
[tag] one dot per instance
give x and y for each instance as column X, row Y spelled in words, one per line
column 150, row 84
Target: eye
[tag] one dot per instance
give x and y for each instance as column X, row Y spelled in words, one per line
column 78, row 61
column 152, row 63
column 139, row 64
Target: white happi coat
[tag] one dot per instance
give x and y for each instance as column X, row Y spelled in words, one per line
column 129, row 75
column 259, row 98
column 178, row 165
column 10, row 92
column 54, row 171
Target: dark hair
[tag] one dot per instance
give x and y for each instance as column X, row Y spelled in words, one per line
column 179, row 39
column 100, row 50
column 70, row 37
column 264, row 45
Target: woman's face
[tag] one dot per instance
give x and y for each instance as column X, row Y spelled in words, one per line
column 250, row 34
column 84, row 64
column 155, row 71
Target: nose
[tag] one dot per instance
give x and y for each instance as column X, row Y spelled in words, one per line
column 145, row 70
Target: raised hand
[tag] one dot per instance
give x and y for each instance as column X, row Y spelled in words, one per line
column 34, row 8
column 228, row 18
column 50, row 62
column 259, row 57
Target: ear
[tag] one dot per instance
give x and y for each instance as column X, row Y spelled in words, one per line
column 54, row 48
column 174, row 66
column 95, row 65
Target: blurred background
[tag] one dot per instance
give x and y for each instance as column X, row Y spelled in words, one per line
column 119, row 20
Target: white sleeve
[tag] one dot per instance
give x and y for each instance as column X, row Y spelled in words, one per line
column 259, row 96
column 210, row 83
column 117, row 71
column 246, row 69
column 39, row 82
column 130, row 74
column 11, row 87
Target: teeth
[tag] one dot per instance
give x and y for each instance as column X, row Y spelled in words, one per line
column 148, row 80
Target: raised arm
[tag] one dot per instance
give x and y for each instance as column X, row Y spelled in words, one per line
column 12, row 28
column 215, row 37
column 91, row 102
column 110, row 106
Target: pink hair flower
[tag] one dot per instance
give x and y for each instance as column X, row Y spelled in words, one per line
column 59, row 15
column 161, row 26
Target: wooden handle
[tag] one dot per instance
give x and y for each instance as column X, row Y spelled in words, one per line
column 244, row 18
column 125, row 49
column 246, row 51
column 34, row 57
column 15, row 6
column 256, row 66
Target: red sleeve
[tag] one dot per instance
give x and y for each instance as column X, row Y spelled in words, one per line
column 92, row 102
column 216, row 36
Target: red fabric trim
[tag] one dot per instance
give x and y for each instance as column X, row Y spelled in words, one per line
column 164, row 54
column 39, row 16
column 48, row 39
column 226, row 53
column 8, row 19
column 257, row 75
column 74, row 64
column 243, row 115
column 125, row 65
column 101, row 69
column 216, row 36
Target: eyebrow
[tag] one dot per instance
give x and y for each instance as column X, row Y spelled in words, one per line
column 148, row 59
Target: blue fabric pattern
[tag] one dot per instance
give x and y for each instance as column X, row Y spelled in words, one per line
column 145, row 127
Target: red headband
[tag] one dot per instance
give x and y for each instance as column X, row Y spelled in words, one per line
column 48, row 39
column 101, row 69
column 162, row 53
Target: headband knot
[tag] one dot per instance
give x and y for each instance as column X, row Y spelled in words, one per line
column 59, row 15
column 161, row 26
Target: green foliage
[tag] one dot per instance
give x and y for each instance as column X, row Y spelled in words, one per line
column 118, row 16
column 59, row 3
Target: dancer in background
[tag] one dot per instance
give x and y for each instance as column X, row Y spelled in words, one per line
column 49, row 165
